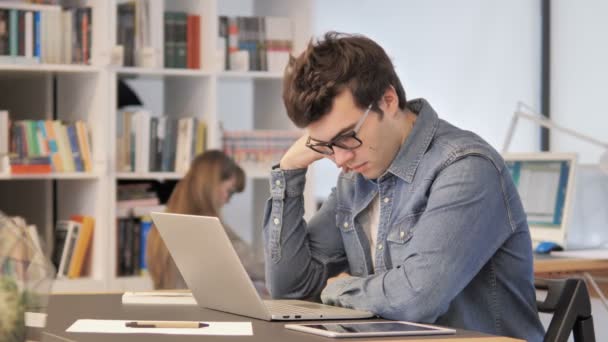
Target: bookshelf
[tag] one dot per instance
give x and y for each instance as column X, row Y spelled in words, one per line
column 232, row 100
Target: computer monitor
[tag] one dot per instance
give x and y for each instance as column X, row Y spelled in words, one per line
column 588, row 223
column 545, row 182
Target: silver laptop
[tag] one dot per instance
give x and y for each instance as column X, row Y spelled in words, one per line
column 211, row 268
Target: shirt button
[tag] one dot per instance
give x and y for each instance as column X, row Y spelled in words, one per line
column 379, row 246
column 402, row 234
column 278, row 182
column 386, row 199
column 345, row 225
column 276, row 221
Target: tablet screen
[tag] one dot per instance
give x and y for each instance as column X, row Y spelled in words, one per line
column 369, row 327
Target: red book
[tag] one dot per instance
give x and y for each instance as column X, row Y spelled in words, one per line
column 190, row 42
column 197, row 42
column 25, row 169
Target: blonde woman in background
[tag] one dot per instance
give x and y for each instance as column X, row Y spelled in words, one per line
column 212, row 179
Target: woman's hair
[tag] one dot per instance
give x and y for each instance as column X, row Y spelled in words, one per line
column 331, row 65
column 195, row 194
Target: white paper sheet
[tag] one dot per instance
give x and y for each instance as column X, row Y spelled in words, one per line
column 118, row 327
column 35, row 319
column 583, row 254
column 158, row 298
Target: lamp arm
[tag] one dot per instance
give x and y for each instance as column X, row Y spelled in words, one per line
column 551, row 125
column 545, row 123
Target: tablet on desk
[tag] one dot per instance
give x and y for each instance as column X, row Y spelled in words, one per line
column 362, row 329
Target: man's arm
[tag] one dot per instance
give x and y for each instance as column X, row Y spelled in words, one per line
column 464, row 224
column 300, row 257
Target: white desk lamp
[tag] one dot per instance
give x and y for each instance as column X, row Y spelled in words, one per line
column 544, row 122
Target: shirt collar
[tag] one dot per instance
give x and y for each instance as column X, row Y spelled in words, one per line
column 410, row 153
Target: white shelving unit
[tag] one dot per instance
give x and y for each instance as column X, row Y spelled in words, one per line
column 64, row 92
column 236, row 100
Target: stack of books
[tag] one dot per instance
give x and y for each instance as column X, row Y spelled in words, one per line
column 258, row 146
column 71, row 249
column 147, row 143
column 45, row 34
column 182, row 40
column 267, row 42
column 45, row 146
column 135, row 202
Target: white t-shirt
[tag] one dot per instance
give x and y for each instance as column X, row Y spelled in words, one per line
column 371, row 226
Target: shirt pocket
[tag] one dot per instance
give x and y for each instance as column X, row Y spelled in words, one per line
column 346, row 224
column 399, row 237
column 344, row 220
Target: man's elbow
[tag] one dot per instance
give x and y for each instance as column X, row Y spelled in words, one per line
column 424, row 307
column 286, row 286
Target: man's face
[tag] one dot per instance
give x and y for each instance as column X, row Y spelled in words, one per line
column 379, row 143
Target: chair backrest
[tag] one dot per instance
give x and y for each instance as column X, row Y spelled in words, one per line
column 568, row 301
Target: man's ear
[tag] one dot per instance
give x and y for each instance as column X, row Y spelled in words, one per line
column 391, row 101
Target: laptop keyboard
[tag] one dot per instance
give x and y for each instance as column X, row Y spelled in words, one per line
column 280, row 307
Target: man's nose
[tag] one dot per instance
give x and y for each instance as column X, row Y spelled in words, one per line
column 342, row 156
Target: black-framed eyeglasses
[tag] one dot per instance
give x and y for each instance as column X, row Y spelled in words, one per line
column 347, row 141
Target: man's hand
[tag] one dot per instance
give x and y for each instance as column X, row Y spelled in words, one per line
column 341, row 275
column 298, row 156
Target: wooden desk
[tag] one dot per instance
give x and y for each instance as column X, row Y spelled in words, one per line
column 65, row 309
column 552, row 267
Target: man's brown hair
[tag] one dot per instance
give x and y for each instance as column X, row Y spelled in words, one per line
column 330, row 65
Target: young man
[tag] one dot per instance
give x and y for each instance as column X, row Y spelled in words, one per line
column 424, row 223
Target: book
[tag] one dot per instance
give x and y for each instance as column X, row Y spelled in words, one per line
column 146, row 226
column 66, row 234
column 76, row 153
column 82, row 245
column 85, row 147
column 159, row 298
column 4, row 133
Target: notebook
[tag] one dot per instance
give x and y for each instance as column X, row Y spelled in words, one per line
column 212, row 270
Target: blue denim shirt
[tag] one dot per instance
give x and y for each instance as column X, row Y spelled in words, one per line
column 453, row 246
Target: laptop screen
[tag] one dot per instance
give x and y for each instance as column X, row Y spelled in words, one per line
column 544, row 182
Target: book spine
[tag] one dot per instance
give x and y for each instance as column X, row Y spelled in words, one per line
column 169, row 44
column 146, row 226
column 37, row 35
column 153, row 142
column 85, row 148
column 189, row 42
column 14, row 32
column 76, row 155
column 29, row 35
column 136, row 246
column 196, row 54
column 4, row 133
column 4, row 29
column 181, row 20
column 85, row 35
column 21, row 33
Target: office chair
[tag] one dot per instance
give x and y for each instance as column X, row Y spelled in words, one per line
column 568, row 301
